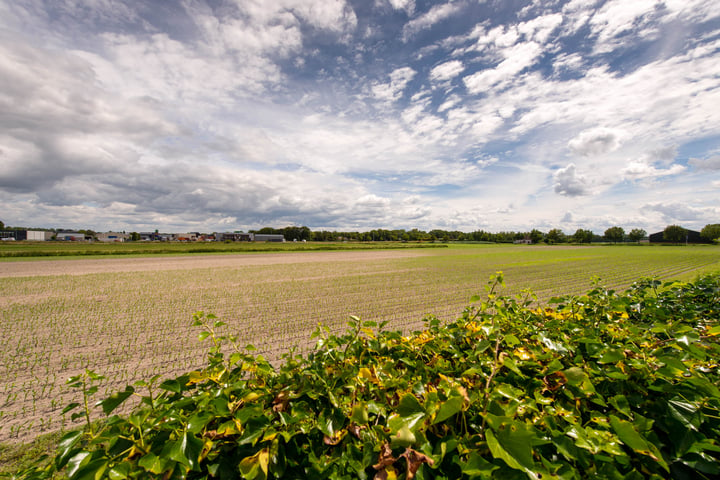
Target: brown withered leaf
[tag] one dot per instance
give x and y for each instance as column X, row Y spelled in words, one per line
column 355, row 429
column 554, row 381
column 414, row 460
column 385, row 457
column 384, row 474
column 336, row 439
column 280, row 403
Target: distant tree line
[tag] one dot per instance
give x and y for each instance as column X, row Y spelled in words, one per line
column 615, row 234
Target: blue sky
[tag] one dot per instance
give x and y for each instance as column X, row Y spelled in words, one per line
column 215, row 115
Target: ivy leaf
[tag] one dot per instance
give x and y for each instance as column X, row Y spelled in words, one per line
column 66, row 448
column 256, row 466
column 115, row 400
column 633, row 439
column 409, row 405
column 151, row 463
column 449, row 408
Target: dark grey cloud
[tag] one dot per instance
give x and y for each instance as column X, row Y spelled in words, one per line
column 709, row 164
column 675, row 212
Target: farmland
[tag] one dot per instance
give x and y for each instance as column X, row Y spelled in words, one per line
column 130, row 319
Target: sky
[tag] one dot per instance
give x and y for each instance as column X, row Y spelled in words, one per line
column 351, row 115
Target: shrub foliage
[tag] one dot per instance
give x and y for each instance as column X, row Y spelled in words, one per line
column 605, row 385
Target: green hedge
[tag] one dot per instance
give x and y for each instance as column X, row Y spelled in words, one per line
column 605, row 385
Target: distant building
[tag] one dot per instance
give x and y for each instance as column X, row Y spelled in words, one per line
column 110, row 237
column 263, row 237
column 185, row 237
column 692, row 237
column 248, row 237
column 39, row 235
column 13, row 235
column 234, row 237
column 70, row 236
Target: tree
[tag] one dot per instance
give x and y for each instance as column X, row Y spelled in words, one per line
column 615, row 234
column 536, row 235
column 637, row 234
column 674, row 234
column 583, row 236
column 2, row 225
column 709, row 232
column 555, row 236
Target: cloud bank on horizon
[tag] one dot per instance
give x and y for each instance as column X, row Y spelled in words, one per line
column 215, row 115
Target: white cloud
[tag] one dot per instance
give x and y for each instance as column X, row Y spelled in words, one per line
column 446, row 71
column 425, row 21
column 541, row 28
column 595, row 141
column 449, row 103
column 392, row 91
column 569, row 183
column 407, row 5
column 516, row 59
column 637, row 170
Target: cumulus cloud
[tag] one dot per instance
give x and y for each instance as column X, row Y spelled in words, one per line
column 595, row 141
column 569, row 183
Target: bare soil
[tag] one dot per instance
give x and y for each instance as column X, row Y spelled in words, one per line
column 144, row 264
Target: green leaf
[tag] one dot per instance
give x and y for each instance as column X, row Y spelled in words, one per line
column 198, row 421
column 620, row 402
column 514, row 448
column 151, row 463
column 404, row 437
column 409, row 405
column 447, row 409
column 612, row 355
column 76, row 462
column 185, row 450
column 115, row 400
column 359, row 413
column 66, row 448
column 255, row 467
column 633, row 439
column 577, row 377
column 551, row 344
column 93, row 470
column 477, row 466
column 69, row 406
column 120, row 471
column 330, row 422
